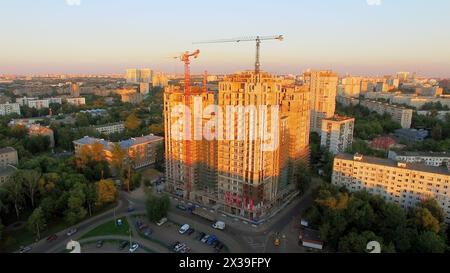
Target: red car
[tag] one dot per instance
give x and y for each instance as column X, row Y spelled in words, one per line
column 52, row 238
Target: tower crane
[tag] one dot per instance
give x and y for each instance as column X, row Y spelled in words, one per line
column 257, row 39
column 186, row 59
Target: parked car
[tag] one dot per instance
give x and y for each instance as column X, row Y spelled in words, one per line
column 190, row 231
column 185, row 250
column 200, row 236
column 179, row 247
column 52, row 238
column 219, row 248
column 142, row 227
column 205, row 239
column 123, row 245
column 181, row 207
column 219, row 225
column 134, row 246
column 174, row 245
column 161, row 222
column 216, row 243
column 131, row 209
column 24, row 249
column 100, row 243
column 211, row 239
column 72, row 231
column 184, row 229
column 148, row 232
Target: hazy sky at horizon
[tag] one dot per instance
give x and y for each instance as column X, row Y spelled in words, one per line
column 108, row 36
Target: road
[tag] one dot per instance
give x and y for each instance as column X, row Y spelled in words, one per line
column 238, row 239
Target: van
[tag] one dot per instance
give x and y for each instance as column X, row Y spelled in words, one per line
column 219, row 225
column 184, row 229
column 161, row 222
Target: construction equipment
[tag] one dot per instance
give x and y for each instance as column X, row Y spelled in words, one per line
column 186, row 58
column 187, row 71
column 257, row 39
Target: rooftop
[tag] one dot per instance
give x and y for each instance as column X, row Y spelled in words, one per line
column 339, row 118
column 394, row 164
column 7, row 150
column 427, row 154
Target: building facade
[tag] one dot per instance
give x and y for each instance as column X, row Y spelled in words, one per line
column 234, row 172
column 430, row 159
column 78, row 101
column 8, row 156
column 401, row 115
column 141, row 151
column 405, row 184
column 112, row 128
column 9, row 109
column 337, row 134
column 323, row 88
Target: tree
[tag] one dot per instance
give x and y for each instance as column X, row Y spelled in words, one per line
column 117, row 157
column 36, row 144
column 430, row 242
column 106, row 192
column 75, row 210
column 91, row 197
column 436, row 132
column 302, row 176
column 157, row 129
column 132, row 123
column 157, row 207
column 425, row 220
column 37, row 222
column 31, row 184
column 357, row 242
column 15, row 190
column 434, row 208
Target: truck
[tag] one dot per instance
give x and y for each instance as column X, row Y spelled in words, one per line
column 219, row 225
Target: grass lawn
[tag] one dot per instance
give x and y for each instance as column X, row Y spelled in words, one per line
column 109, row 228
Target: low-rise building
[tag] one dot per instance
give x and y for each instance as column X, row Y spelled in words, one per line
column 337, row 133
column 130, row 96
column 141, row 150
column 411, row 135
column 9, row 109
column 111, row 128
column 405, row 184
column 8, row 156
column 38, row 130
column 401, row 115
column 76, row 101
column 430, row 159
column 383, row 143
column 6, row 172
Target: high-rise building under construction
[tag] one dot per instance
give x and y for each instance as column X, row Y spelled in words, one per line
column 260, row 131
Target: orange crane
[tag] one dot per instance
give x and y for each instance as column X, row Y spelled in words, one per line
column 257, row 39
column 186, row 59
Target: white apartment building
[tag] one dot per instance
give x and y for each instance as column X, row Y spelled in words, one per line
column 399, row 114
column 9, row 108
column 337, row 134
column 430, row 159
column 109, row 129
column 405, row 184
column 76, row 101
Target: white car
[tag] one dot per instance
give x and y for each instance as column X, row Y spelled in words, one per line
column 134, row 247
column 161, row 222
column 219, row 225
column 184, row 229
column 179, row 247
column 72, row 232
column 205, row 239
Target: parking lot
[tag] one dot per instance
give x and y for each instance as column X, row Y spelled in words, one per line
column 168, row 234
column 108, row 247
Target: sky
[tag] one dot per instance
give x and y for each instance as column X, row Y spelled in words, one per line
column 360, row 37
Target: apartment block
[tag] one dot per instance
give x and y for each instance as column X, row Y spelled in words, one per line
column 234, row 173
column 337, row 134
column 8, row 156
column 130, row 96
column 79, row 101
column 9, row 109
column 323, row 88
column 141, row 150
column 405, row 184
column 112, row 128
column 430, row 159
column 38, row 130
column 401, row 115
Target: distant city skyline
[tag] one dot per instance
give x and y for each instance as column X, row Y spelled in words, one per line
column 358, row 37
